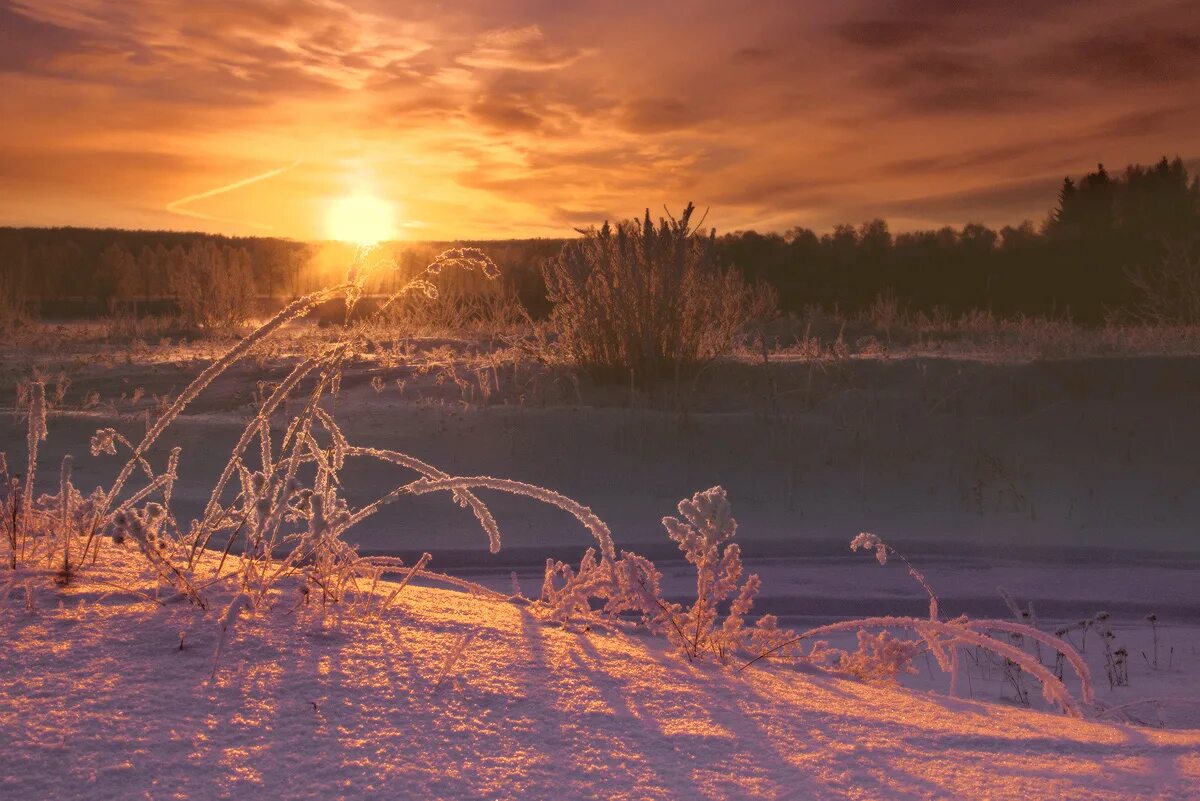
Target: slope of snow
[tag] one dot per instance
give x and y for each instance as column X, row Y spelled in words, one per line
column 98, row 701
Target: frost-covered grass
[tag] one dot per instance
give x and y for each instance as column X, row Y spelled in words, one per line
column 272, row 543
column 289, row 517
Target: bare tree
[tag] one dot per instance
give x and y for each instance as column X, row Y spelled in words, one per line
column 213, row 284
column 1171, row 288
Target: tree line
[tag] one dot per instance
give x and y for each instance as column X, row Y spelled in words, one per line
column 1112, row 246
column 1124, row 245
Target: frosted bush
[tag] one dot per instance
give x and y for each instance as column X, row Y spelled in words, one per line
column 648, row 300
column 880, row 657
column 627, row 585
column 214, row 285
column 630, row 585
column 704, row 535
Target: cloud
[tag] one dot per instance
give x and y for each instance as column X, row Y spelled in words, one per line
column 886, row 34
column 755, row 55
column 210, row 51
column 489, row 117
column 32, row 168
column 1004, row 199
column 886, row 25
column 974, row 157
column 940, row 81
column 524, row 49
column 26, row 44
column 505, row 114
column 1135, row 56
column 1146, row 121
column 660, row 115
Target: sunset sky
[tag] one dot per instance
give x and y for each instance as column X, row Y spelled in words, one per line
column 515, row 118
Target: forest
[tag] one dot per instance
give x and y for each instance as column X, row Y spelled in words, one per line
column 1123, row 246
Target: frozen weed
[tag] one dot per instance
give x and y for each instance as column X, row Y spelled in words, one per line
column 944, row 639
column 631, row 585
column 288, row 514
column 880, row 657
column 453, row 656
column 280, row 500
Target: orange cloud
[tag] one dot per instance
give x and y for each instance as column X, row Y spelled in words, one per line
column 513, row 118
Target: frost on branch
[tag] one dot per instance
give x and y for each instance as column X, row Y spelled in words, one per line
column 704, row 536
column 104, row 441
column 465, row 259
column 880, row 657
column 626, row 586
column 630, row 585
column 868, row 542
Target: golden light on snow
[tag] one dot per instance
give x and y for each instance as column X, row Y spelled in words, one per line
column 362, row 218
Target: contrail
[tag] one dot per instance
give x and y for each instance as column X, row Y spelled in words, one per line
column 174, row 205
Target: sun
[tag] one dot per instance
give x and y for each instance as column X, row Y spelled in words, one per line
column 361, row 218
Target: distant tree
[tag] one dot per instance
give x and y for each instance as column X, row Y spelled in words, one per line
column 160, row 281
column 1021, row 236
column 1105, row 230
column 1158, row 205
column 147, row 268
column 116, row 277
column 214, row 286
column 1170, row 289
column 874, row 238
column 801, row 237
column 1066, row 197
column 15, row 275
column 1110, row 242
column 978, row 239
column 57, row 267
column 842, row 240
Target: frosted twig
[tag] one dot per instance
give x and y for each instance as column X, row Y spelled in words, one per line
column 232, row 612
column 482, row 513
column 1052, row 688
column 259, row 424
column 416, row 568
column 581, row 513
column 296, row 308
column 35, row 433
column 1057, row 643
column 453, row 657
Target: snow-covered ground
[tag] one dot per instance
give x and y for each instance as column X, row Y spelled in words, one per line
column 99, row 701
column 1070, row 483
column 1092, row 453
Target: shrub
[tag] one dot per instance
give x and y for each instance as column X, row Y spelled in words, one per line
column 648, row 301
column 1171, row 289
column 631, row 584
column 880, row 657
column 214, row 286
column 486, row 309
